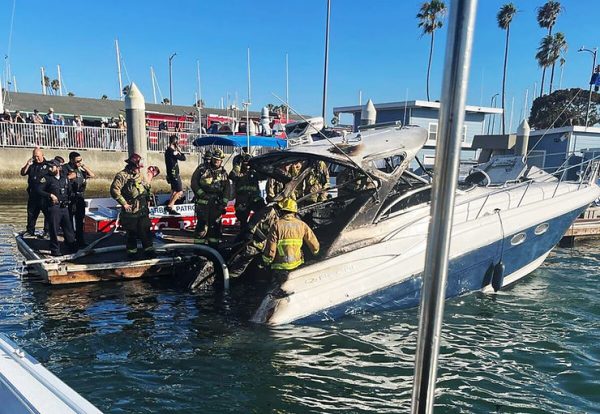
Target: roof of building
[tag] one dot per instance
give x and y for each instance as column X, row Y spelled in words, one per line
column 94, row 108
column 562, row 130
column 413, row 104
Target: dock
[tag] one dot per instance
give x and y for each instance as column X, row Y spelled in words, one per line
column 105, row 259
column 586, row 226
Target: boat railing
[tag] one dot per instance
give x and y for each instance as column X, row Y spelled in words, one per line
column 590, row 171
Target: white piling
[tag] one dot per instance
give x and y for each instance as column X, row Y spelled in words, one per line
column 135, row 115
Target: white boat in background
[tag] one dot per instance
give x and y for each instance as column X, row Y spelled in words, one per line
column 507, row 219
column 27, row 387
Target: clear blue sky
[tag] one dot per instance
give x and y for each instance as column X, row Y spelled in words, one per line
column 375, row 47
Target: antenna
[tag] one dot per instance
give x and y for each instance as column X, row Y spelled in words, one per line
column 119, row 69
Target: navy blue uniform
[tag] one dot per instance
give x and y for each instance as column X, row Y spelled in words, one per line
column 35, row 204
column 58, row 214
column 77, row 200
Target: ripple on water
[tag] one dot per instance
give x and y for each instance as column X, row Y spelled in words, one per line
column 146, row 346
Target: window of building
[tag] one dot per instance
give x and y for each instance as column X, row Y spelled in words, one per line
column 433, row 130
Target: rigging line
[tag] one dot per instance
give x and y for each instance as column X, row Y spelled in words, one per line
column 556, row 119
column 125, row 67
column 10, row 33
column 332, row 143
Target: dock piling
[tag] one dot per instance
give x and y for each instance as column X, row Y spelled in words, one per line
column 135, row 116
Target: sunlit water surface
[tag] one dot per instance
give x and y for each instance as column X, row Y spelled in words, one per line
column 152, row 346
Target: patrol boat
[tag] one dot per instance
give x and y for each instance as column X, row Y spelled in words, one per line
column 373, row 230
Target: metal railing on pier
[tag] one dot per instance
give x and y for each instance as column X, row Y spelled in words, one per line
column 26, row 135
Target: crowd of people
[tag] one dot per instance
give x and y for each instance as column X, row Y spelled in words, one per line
column 269, row 228
column 35, row 129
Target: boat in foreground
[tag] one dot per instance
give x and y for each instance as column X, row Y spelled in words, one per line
column 27, row 387
column 373, row 232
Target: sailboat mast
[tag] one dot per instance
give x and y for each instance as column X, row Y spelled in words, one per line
column 287, row 90
column 60, row 82
column 199, row 98
column 119, row 69
column 326, row 61
column 43, row 74
column 153, row 83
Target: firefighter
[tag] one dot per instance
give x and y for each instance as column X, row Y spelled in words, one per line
column 35, row 169
column 210, row 185
column 274, row 187
column 78, row 174
column 55, row 188
column 253, row 239
column 247, row 192
column 317, row 182
column 132, row 192
column 283, row 249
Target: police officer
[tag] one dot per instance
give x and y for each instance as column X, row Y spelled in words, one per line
column 35, row 169
column 283, row 249
column 55, row 188
column 247, row 192
column 78, row 174
column 132, row 192
column 172, row 157
column 210, row 185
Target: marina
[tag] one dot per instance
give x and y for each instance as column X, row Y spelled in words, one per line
column 420, row 257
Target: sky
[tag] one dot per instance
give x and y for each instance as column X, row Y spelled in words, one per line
column 375, row 47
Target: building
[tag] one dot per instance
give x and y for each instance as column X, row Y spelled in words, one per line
column 425, row 114
column 550, row 148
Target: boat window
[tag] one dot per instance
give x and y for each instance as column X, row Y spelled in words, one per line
column 388, row 164
column 400, row 203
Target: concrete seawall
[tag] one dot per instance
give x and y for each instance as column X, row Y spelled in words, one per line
column 105, row 164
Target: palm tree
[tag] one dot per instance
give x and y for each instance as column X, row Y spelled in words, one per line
column 104, row 97
column 558, row 48
column 561, row 62
column 543, row 55
column 46, row 83
column 430, row 18
column 55, row 85
column 70, row 94
column 166, row 101
column 504, row 18
column 546, row 18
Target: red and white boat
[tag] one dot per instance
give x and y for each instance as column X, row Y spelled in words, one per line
column 101, row 215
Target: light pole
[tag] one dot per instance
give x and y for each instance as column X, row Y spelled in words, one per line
column 593, row 51
column 171, row 78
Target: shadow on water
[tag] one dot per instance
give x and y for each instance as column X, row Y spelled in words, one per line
column 146, row 346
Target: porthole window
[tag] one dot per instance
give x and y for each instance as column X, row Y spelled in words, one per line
column 518, row 239
column 541, row 229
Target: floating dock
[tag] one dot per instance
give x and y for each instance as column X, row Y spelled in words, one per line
column 105, row 259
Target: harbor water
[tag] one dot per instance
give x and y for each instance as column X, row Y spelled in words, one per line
column 152, row 346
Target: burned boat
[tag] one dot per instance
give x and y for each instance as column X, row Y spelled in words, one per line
column 373, row 228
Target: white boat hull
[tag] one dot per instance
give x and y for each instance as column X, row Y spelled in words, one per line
column 512, row 231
